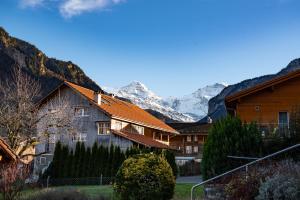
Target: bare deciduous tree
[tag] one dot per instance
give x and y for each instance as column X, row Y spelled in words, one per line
column 21, row 115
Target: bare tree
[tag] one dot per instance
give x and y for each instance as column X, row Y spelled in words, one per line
column 21, row 115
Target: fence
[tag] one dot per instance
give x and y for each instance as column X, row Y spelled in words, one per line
column 214, row 187
column 49, row 182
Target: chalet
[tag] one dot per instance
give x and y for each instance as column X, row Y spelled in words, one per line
column 6, row 154
column 268, row 104
column 189, row 142
column 104, row 119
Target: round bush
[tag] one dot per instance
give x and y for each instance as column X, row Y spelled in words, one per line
column 145, row 177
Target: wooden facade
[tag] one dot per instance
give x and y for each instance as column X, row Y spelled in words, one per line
column 269, row 104
column 189, row 143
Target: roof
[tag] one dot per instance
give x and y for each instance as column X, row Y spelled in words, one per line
column 141, row 139
column 191, row 128
column 122, row 110
column 262, row 86
column 9, row 152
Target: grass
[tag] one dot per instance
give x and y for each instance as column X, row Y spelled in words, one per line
column 182, row 191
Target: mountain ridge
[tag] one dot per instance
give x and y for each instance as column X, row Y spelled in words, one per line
column 216, row 105
column 50, row 72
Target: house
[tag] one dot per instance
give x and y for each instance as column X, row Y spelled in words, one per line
column 269, row 104
column 100, row 118
column 189, row 142
column 6, row 153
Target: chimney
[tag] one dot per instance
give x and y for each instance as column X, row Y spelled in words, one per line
column 112, row 95
column 209, row 120
column 97, row 97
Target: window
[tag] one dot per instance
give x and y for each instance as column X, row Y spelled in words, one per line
column 188, row 150
column 137, row 129
column 195, row 138
column 103, row 128
column 79, row 137
column 283, row 119
column 188, row 138
column 196, row 149
column 80, row 112
column 43, row 161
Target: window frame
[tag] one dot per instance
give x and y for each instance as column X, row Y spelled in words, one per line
column 83, row 112
column 189, row 138
column 107, row 128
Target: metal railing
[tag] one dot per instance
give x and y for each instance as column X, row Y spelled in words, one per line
column 241, row 167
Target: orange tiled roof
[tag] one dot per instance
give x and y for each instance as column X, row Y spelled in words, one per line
column 122, row 110
column 141, row 139
column 7, row 150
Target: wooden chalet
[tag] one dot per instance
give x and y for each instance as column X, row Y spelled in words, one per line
column 268, row 104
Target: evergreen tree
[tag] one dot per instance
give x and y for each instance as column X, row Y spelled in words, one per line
column 102, row 157
column 70, row 163
column 81, row 172
column 75, row 166
column 170, row 157
column 94, row 160
column 87, row 164
column 56, row 162
column 64, row 162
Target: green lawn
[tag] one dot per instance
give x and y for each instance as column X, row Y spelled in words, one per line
column 182, row 191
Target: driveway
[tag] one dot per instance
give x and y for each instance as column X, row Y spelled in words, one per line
column 189, row 179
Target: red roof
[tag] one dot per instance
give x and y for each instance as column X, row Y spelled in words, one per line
column 141, row 139
column 122, row 110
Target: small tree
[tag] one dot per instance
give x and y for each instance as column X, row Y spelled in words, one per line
column 145, row 176
column 229, row 136
column 12, row 180
column 170, row 157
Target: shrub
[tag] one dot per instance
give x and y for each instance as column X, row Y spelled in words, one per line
column 229, row 136
column 279, row 187
column 285, row 184
column 241, row 188
column 145, row 176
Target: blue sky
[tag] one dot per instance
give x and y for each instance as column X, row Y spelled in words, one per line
column 173, row 46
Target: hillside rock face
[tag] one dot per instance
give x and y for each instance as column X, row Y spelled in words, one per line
column 216, row 105
column 49, row 71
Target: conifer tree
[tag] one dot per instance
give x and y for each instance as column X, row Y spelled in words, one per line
column 87, row 166
column 75, row 167
column 69, row 172
column 94, row 160
column 56, row 162
column 81, row 172
column 102, row 156
column 64, row 162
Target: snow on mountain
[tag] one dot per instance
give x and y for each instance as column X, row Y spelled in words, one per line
column 195, row 104
column 188, row 108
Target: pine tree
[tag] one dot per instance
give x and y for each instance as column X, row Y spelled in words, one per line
column 56, row 162
column 75, row 167
column 70, row 164
column 94, row 160
column 102, row 156
column 64, row 162
column 87, row 164
column 81, row 172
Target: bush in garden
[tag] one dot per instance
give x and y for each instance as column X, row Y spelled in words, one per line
column 145, row 177
column 284, row 184
column 279, row 187
column 229, row 136
column 241, row 188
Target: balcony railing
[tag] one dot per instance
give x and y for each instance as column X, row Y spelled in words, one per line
column 274, row 129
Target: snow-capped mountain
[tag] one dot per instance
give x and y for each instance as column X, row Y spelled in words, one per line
column 195, row 104
column 188, row 108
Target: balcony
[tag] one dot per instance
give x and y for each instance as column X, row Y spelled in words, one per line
column 274, row 129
